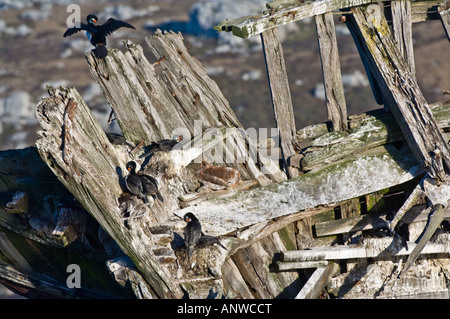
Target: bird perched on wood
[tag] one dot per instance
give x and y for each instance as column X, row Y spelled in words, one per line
column 193, row 235
column 141, row 185
column 163, row 145
column 97, row 33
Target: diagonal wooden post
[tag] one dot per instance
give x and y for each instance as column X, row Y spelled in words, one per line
column 399, row 87
column 402, row 30
column 444, row 13
column 331, row 71
column 281, row 95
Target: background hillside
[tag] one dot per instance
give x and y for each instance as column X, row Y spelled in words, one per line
column 34, row 54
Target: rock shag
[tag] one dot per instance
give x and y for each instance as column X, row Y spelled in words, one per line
column 142, row 185
column 193, row 235
column 97, row 33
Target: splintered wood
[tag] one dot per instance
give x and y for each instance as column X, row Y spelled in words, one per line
column 69, row 113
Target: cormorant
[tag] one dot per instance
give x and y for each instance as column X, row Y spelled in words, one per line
column 133, row 182
column 150, row 186
column 193, row 235
column 141, row 185
column 97, row 33
column 163, row 145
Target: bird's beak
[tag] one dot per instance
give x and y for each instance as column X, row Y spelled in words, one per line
column 129, row 168
column 94, row 20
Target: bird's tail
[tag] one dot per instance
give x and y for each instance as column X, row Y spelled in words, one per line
column 101, row 51
column 190, row 252
column 158, row 194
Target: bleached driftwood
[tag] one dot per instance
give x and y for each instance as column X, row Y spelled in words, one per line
column 318, row 281
column 281, row 12
column 370, row 248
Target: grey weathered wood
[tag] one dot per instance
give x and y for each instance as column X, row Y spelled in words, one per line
column 444, row 14
column 318, row 281
column 281, row 95
column 368, row 130
column 402, row 30
column 283, row 266
column 93, row 178
column 401, row 91
column 368, row 67
column 183, row 99
column 435, row 219
column 365, row 222
column 281, row 12
column 370, row 248
column 225, row 215
column 331, row 71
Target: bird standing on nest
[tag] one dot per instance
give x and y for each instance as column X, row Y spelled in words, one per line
column 97, row 33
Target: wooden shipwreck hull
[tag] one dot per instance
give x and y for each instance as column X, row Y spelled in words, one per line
column 319, row 212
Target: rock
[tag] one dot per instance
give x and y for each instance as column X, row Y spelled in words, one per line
column 34, row 15
column 319, row 91
column 355, row 79
column 126, row 13
column 16, row 105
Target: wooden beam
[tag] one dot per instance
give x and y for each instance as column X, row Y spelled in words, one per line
column 318, row 281
column 292, row 265
column 401, row 91
column 366, row 222
column 371, row 248
column 331, row 71
column 436, row 217
column 281, row 95
column 444, row 14
column 402, row 30
column 281, row 12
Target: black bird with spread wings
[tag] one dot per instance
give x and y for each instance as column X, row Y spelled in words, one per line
column 97, row 33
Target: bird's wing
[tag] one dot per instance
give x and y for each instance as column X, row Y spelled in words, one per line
column 112, row 25
column 149, row 180
column 133, row 184
column 74, row 30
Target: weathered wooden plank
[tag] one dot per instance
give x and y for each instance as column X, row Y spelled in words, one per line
column 367, row 131
column 281, row 95
column 283, row 12
column 345, row 179
column 233, row 280
column 318, row 281
column 371, row 248
column 402, row 30
column 331, row 71
column 444, row 14
column 366, row 222
column 436, row 217
column 401, row 91
column 93, row 177
column 283, row 266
